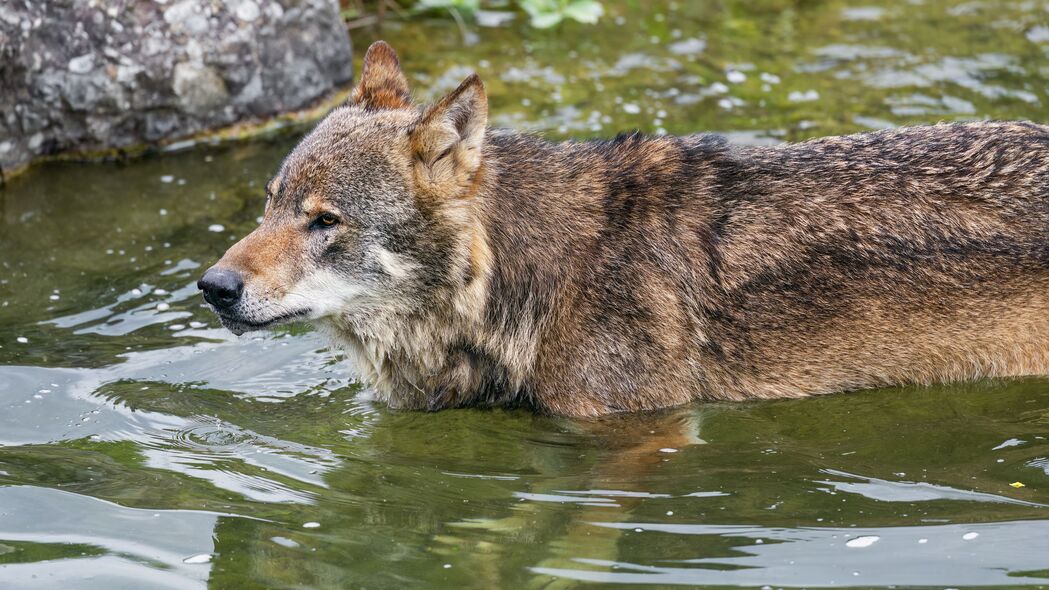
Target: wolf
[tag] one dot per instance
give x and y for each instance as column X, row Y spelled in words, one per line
column 459, row 265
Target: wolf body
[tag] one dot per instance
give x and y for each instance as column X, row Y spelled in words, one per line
column 463, row 266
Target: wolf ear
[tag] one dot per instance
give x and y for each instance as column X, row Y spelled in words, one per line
column 448, row 139
column 382, row 84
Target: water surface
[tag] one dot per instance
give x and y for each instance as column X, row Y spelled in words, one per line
column 142, row 445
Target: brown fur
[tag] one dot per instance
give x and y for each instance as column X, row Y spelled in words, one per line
column 639, row 273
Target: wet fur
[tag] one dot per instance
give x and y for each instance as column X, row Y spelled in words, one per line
column 584, row 278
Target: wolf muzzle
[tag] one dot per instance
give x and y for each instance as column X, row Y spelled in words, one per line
column 221, row 287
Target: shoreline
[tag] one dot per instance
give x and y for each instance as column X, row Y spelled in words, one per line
column 241, row 131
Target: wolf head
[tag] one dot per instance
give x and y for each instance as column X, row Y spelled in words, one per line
column 369, row 218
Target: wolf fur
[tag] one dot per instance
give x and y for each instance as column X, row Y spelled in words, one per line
column 475, row 267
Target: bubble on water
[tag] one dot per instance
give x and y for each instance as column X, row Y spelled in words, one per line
column 54, row 297
column 769, row 78
column 311, row 525
column 631, row 108
column 970, row 536
column 163, row 307
column 1038, row 34
column 639, row 530
column 447, row 566
column 687, row 46
column 163, row 211
column 736, row 76
column 136, row 291
column 717, row 88
column 22, row 340
column 197, row 325
column 670, row 513
column 862, row 13
column 167, row 179
column 216, row 227
column 807, row 96
column 861, row 542
column 176, row 327
column 160, row 292
column 284, row 542
column 201, row 558
column 1012, row 442
column 922, row 541
column 667, row 450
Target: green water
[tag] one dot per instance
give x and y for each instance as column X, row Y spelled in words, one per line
column 143, row 446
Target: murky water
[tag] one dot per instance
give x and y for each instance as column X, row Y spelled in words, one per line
column 141, row 445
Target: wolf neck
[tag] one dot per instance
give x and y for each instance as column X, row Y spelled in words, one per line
column 548, row 212
column 540, row 221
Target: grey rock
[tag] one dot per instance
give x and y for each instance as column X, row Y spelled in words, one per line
column 199, row 88
column 84, row 76
column 247, row 11
column 82, row 64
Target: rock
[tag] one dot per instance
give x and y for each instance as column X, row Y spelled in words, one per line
column 86, row 76
column 200, row 89
column 82, row 64
column 247, row 11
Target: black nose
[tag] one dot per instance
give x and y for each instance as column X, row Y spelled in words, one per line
column 221, row 287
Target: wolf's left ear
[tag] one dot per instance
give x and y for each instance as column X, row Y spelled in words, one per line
column 448, row 139
column 382, row 84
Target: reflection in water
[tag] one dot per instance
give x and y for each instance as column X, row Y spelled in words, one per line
column 142, row 445
column 99, row 404
column 907, row 491
column 141, row 547
column 939, row 555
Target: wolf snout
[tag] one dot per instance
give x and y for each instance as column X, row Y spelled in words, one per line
column 221, row 287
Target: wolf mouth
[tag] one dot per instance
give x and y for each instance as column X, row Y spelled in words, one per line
column 239, row 325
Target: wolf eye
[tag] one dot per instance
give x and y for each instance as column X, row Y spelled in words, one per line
column 325, row 220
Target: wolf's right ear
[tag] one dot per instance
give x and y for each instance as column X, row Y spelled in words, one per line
column 382, row 85
column 448, row 139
